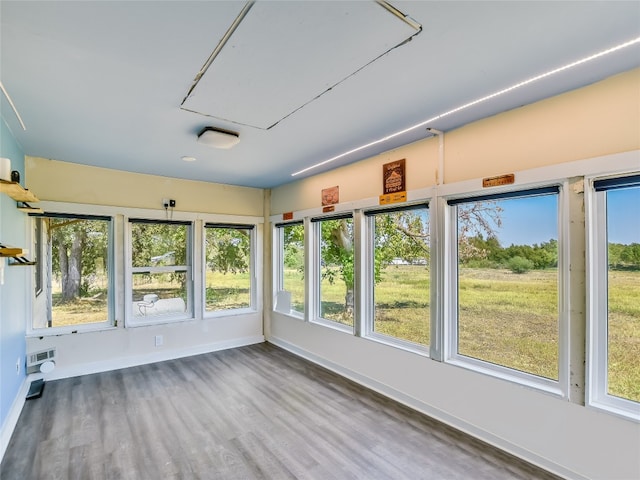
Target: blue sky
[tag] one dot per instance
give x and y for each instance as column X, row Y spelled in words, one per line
column 526, row 221
column 623, row 212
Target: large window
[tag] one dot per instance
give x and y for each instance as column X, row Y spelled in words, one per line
column 615, row 273
column 507, row 282
column 160, row 270
column 228, row 271
column 73, row 270
column 399, row 270
column 290, row 288
column 336, row 273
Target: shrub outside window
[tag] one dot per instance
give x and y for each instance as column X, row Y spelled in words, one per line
column 507, row 282
column 160, row 270
column 401, row 273
column 74, row 270
column 228, row 267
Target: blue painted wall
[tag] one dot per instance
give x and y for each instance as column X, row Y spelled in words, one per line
column 13, row 292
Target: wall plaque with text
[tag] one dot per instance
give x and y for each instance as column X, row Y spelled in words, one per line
column 499, row 180
column 393, row 177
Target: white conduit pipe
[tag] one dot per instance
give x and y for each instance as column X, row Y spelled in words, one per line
column 440, row 171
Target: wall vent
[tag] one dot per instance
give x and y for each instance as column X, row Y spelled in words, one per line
column 35, row 359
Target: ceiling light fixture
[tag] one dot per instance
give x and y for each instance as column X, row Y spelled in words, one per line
column 188, row 159
column 475, row 102
column 218, row 138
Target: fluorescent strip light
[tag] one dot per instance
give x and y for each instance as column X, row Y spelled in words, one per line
column 474, row 102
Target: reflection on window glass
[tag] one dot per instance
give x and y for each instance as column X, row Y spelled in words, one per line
column 293, row 264
column 159, row 293
column 508, row 282
column 401, row 274
column 228, row 267
column 158, row 244
column 336, row 270
column 76, row 255
column 160, row 268
column 623, row 293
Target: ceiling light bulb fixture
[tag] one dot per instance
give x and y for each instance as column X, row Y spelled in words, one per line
column 188, row 159
column 475, row 102
column 218, row 138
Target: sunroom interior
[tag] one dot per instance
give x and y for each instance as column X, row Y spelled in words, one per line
column 303, row 212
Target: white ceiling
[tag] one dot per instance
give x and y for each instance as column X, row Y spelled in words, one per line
column 103, row 82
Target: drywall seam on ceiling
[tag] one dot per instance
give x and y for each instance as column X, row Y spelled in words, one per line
column 205, row 97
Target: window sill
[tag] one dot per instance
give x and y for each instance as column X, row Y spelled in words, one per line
column 290, row 314
column 627, row 412
column 70, row 330
column 158, row 320
column 228, row 313
column 524, row 379
column 422, row 350
column 341, row 327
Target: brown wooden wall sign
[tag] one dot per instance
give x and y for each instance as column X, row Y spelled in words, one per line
column 331, row 195
column 499, row 180
column 393, row 177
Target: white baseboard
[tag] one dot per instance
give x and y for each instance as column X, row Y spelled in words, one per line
column 11, row 420
column 133, row 361
column 431, row 411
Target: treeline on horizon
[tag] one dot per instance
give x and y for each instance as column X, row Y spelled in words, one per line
column 488, row 253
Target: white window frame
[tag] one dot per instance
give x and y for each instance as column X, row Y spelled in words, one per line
column 43, row 295
column 253, row 298
column 597, row 395
column 558, row 387
column 314, row 280
column 134, row 321
column 282, row 301
column 368, row 280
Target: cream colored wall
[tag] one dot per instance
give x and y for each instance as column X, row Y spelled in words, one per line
column 60, row 181
column 596, row 120
column 562, row 435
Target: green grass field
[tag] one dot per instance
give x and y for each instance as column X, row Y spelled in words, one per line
column 504, row 318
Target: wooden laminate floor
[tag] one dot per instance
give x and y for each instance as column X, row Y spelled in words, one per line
column 255, row 412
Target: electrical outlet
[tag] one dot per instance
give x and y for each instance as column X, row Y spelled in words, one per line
column 165, row 203
column 159, row 340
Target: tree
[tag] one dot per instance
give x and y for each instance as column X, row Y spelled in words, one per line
column 78, row 244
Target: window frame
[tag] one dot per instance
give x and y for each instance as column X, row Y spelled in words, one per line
column 558, row 387
column 132, row 321
column 38, row 296
column 368, row 280
column 314, row 272
column 278, row 270
column 253, row 294
column 597, row 270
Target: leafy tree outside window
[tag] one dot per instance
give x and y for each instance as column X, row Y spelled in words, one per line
column 336, row 269
column 228, row 269
column 401, row 273
column 160, row 269
column 73, row 268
